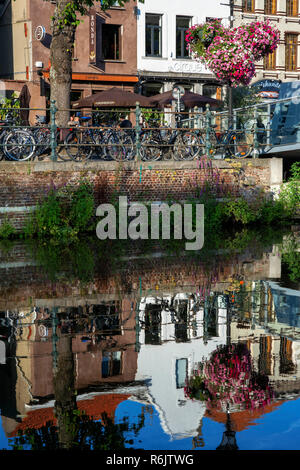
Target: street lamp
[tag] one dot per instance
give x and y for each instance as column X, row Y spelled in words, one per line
column 228, row 439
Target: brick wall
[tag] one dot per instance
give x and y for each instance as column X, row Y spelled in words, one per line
column 23, row 185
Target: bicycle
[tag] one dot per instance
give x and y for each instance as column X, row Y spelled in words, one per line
column 81, row 142
column 186, row 144
column 16, row 143
column 120, row 144
column 231, row 143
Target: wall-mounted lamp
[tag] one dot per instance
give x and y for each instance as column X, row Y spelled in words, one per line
column 39, row 67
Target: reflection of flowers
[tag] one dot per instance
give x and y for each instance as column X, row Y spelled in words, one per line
column 228, row 378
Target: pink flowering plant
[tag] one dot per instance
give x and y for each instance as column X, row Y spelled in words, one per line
column 231, row 53
column 229, row 379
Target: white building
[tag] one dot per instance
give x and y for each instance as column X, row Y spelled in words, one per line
column 163, row 59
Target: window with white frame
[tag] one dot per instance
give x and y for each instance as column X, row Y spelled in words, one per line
column 182, row 24
column 153, row 35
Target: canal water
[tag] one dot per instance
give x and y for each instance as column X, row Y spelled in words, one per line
column 150, row 347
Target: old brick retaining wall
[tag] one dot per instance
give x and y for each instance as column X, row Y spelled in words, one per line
column 24, row 184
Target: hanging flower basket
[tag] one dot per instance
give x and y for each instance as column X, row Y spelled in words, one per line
column 231, row 53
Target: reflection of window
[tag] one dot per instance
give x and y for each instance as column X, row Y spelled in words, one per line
column 249, row 6
column 291, row 51
column 111, row 40
column 270, row 7
column 182, row 24
column 286, row 365
column 291, row 7
column 181, row 372
column 265, row 355
column 153, row 35
column 111, row 363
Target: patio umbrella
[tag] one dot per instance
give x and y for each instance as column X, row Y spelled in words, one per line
column 24, row 99
column 190, row 99
column 114, row 97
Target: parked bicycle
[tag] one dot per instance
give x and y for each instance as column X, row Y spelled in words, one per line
column 238, row 143
column 182, row 143
column 17, row 143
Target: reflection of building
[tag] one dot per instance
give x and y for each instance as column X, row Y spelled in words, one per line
column 103, row 348
column 93, row 405
column 272, row 333
column 168, row 359
column 163, row 59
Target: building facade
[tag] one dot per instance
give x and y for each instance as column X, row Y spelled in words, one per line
column 284, row 63
column 104, row 55
column 163, row 58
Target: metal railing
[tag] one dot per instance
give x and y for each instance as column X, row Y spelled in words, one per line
column 153, row 135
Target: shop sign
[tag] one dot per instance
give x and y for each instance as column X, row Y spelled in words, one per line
column 92, row 57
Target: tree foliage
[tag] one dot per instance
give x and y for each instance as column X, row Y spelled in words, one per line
column 69, row 11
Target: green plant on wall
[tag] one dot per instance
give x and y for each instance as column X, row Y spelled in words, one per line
column 6, row 230
column 63, row 213
column 10, row 105
column 289, row 194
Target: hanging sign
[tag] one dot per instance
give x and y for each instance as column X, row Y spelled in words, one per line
column 268, row 89
column 92, row 57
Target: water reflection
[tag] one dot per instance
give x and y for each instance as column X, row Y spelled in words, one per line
column 185, row 341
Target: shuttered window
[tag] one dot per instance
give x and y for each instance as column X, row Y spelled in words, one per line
column 291, row 41
column 270, row 61
column 249, row 6
column 291, row 7
column 270, row 7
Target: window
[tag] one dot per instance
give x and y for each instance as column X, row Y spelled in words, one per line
column 270, row 7
column 270, row 61
column 291, row 41
column 111, row 42
column 182, row 24
column 111, row 364
column 249, row 6
column 291, row 7
column 181, row 372
column 153, row 35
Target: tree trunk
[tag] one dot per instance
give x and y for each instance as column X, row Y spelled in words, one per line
column 64, row 391
column 61, row 63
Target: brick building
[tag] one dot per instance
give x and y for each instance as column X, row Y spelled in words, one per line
column 105, row 49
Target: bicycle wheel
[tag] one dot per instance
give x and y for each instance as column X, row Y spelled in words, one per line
column 238, row 146
column 75, row 145
column 19, row 145
column 100, row 148
column 187, row 146
column 120, row 146
column 150, row 148
column 42, row 138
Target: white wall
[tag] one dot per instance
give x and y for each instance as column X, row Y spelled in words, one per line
column 198, row 10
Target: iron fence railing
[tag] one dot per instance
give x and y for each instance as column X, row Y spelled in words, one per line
column 147, row 134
